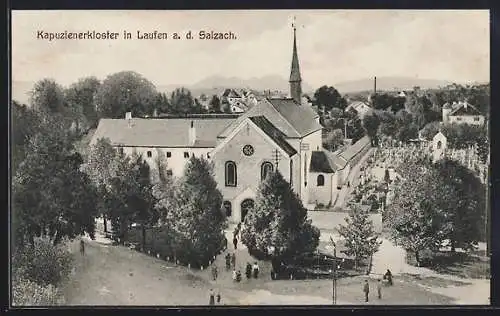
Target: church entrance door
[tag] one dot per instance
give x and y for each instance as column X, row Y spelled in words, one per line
column 246, row 205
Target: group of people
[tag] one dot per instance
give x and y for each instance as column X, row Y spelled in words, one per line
column 387, row 278
column 251, row 271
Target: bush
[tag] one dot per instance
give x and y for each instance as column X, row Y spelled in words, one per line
column 29, row 293
column 43, row 263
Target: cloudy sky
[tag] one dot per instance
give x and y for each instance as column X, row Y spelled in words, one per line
column 334, row 46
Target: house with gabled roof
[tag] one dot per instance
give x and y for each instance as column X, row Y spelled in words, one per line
column 462, row 113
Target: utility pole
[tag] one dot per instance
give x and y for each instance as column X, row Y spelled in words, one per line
column 276, row 158
column 334, row 279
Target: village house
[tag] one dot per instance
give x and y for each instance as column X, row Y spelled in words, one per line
column 235, row 100
column 275, row 134
column 361, row 108
column 462, row 113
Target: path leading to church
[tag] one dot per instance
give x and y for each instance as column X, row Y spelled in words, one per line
column 116, row 275
column 353, row 179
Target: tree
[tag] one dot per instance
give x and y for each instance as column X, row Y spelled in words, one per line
column 334, row 139
column 388, row 124
column 226, row 107
column 214, row 105
column 371, row 123
column 51, row 196
column 464, row 224
column 47, row 96
column 355, row 129
column 101, row 166
column 125, row 91
column 328, row 97
column 195, row 218
column 182, row 102
column 146, row 213
column 415, row 216
column 162, row 104
column 24, row 125
column 277, row 227
column 430, row 130
column 361, row 240
column 80, row 97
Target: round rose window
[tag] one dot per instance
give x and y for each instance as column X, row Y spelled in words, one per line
column 248, row 150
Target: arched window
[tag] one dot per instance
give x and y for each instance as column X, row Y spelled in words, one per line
column 265, row 169
column 438, row 145
column 321, row 180
column 291, row 172
column 231, row 175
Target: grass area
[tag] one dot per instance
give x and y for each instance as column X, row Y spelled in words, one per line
column 431, row 281
column 461, row 264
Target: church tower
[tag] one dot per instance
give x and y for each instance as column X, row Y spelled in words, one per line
column 295, row 79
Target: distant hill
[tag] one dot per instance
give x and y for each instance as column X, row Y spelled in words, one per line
column 216, row 84
column 389, row 83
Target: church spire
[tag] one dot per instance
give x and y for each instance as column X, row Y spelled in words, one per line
column 295, row 79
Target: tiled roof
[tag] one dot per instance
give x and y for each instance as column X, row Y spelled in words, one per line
column 464, row 108
column 168, row 132
column 292, row 119
column 356, row 104
column 351, row 151
column 320, row 163
column 276, row 135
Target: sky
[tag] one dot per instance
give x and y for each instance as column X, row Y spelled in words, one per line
column 333, row 46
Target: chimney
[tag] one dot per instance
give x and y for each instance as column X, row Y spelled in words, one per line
column 192, row 134
column 375, row 85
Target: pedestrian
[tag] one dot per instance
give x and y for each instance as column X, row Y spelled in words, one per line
column 379, row 289
column 238, row 276
column 218, row 297
column 248, row 270
column 234, row 275
column 388, row 277
column 255, row 270
column 211, row 300
column 233, row 260
column 228, row 261
column 82, row 247
column 366, row 290
column 235, row 242
column 214, row 272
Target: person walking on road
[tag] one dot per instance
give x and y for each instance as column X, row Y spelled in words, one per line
column 233, row 260
column 255, row 270
column 248, row 271
column 218, row 297
column 211, row 300
column 82, row 247
column 214, row 272
column 228, row 261
column 235, row 242
column 379, row 289
column 366, row 290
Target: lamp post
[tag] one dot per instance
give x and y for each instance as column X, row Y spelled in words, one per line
column 334, row 279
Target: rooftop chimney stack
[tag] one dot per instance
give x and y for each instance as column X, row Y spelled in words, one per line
column 192, row 133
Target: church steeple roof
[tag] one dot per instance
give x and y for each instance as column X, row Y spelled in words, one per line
column 295, row 70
